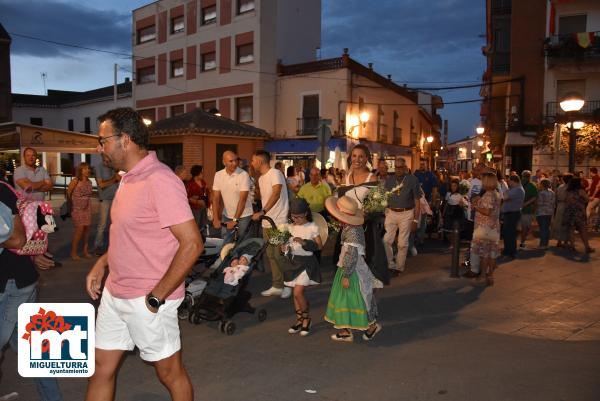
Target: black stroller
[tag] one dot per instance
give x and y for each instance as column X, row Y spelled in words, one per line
column 220, row 301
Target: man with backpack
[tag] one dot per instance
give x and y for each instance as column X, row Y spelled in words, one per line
column 18, row 285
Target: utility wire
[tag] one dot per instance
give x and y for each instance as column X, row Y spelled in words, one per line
column 128, row 55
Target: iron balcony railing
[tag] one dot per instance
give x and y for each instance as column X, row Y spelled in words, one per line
column 307, row 125
column 579, row 47
column 590, row 110
column 501, row 7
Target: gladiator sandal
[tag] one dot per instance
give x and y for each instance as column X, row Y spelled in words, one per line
column 305, row 328
column 298, row 326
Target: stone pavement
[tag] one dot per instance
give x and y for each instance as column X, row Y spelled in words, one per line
column 535, row 335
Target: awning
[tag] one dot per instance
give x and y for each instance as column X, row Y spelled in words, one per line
column 300, row 146
column 518, row 139
column 303, row 146
column 16, row 136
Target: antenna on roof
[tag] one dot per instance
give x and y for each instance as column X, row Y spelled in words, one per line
column 44, row 76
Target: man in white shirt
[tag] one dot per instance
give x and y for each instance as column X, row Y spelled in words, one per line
column 232, row 185
column 275, row 205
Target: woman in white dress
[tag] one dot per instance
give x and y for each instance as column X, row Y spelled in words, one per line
column 359, row 181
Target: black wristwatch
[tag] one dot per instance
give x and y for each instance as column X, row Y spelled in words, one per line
column 154, row 301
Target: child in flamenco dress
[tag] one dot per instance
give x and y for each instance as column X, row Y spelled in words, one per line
column 302, row 267
column 351, row 304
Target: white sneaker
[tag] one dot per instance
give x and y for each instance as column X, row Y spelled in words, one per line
column 413, row 251
column 272, row 292
column 286, row 293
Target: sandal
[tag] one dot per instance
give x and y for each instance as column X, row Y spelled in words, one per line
column 371, row 331
column 295, row 329
column 348, row 337
column 305, row 329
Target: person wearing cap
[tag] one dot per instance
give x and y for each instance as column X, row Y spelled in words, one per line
column 303, row 268
column 351, row 304
column 528, row 211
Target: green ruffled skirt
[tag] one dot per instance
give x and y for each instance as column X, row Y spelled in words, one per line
column 346, row 306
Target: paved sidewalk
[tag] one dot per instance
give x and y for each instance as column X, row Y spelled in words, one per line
column 534, row 335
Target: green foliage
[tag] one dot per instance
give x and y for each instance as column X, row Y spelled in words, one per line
column 587, row 144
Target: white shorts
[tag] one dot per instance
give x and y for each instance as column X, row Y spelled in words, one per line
column 123, row 324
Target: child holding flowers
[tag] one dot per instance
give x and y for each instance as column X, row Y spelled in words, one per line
column 303, row 269
column 351, row 304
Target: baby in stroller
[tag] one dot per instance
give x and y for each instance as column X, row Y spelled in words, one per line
column 237, row 269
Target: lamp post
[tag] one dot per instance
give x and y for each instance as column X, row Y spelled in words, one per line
column 430, row 141
column 480, row 130
column 571, row 103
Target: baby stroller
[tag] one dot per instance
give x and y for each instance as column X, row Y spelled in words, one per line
column 220, row 301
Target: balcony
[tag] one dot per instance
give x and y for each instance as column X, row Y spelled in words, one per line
column 575, row 48
column 589, row 112
column 500, row 63
column 307, row 126
column 501, row 7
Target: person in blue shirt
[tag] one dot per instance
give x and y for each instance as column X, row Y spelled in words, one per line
column 427, row 180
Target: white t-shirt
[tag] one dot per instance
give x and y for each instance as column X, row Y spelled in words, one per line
column 307, row 230
column 454, row 199
column 230, row 186
column 279, row 211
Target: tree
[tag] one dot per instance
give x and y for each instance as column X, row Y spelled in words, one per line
column 587, row 144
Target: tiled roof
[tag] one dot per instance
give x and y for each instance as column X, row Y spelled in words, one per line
column 201, row 122
column 3, row 34
column 58, row 98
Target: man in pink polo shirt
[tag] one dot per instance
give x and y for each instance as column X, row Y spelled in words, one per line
column 154, row 242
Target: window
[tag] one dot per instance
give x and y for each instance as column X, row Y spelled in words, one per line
column 243, row 109
column 177, row 110
column 36, row 121
column 145, row 75
column 245, row 54
column 572, row 24
column 565, row 86
column 310, row 114
column 170, row 154
column 245, row 6
column 209, row 61
column 70, row 124
column 208, row 106
column 177, row 25
column 209, row 15
column 146, row 34
column 176, row 68
column 87, row 127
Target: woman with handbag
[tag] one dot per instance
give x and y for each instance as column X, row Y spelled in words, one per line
column 80, row 194
column 486, row 234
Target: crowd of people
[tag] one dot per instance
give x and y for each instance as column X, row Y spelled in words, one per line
column 158, row 217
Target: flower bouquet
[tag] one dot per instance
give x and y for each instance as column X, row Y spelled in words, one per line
column 334, row 225
column 376, row 200
column 279, row 235
column 463, row 189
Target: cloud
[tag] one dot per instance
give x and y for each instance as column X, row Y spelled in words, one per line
column 63, row 22
column 418, row 42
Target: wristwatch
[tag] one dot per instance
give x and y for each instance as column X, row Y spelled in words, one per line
column 235, row 220
column 154, row 301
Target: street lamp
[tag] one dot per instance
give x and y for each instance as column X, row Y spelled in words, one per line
column 429, row 141
column 480, row 130
column 480, row 143
column 356, row 121
column 571, row 103
column 146, row 121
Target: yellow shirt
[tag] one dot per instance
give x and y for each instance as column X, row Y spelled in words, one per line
column 315, row 195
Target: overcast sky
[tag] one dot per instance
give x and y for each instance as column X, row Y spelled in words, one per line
column 422, row 43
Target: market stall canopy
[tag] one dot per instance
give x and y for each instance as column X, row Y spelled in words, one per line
column 16, row 136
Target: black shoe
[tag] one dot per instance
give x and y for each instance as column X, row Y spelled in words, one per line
column 471, row 274
column 98, row 252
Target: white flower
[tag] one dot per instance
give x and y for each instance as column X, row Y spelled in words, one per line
column 384, row 203
column 376, row 195
column 282, row 227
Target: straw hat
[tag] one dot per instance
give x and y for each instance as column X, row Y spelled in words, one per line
column 322, row 225
column 345, row 209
